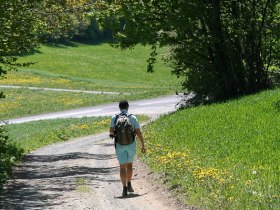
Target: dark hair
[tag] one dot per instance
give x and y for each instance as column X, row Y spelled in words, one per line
column 123, row 104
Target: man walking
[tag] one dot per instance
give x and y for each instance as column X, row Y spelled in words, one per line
column 124, row 128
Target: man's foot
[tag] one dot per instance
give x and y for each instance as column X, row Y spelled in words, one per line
column 124, row 193
column 129, row 187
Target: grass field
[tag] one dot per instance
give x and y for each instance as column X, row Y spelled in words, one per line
column 24, row 102
column 83, row 67
column 221, row 156
column 94, row 67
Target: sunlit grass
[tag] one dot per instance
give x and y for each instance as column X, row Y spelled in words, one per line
column 32, row 135
column 83, row 67
column 25, row 102
column 222, row 156
column 95, row 67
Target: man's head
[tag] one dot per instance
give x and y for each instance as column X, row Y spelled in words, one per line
column 123, row 105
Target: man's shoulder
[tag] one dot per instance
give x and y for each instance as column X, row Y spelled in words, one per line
column 133, row 116
column 113, row 117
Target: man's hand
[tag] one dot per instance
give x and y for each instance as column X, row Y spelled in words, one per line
column 143, row 149
column 111, row 135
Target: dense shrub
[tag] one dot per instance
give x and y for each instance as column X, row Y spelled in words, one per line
column 9, row 153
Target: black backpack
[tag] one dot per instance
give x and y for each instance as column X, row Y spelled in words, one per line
column 124, row 132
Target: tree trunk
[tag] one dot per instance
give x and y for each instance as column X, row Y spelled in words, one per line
column 222, row 61
column 257, row 76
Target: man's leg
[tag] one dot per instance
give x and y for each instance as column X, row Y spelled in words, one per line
column 129, row 177
column 129, row 172
column 123, row 173
column 131, row 154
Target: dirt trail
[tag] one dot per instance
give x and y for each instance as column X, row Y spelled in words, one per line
column 80, row 174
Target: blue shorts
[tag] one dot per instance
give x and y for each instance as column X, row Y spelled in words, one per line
column 126, row 153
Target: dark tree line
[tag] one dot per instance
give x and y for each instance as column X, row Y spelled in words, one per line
column 223, row 48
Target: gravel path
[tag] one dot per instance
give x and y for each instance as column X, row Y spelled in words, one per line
column 83, row 173
column 153, row 107
column 59, row 90
column 80, row 174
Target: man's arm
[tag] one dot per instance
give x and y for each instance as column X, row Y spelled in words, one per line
column 112, row 127
column 112, row 132
column 140, row 137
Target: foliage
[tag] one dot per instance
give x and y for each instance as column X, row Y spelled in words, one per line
column 221, row 156
column 222, row 48
column 26, row 24
column 9, row 153
column 61, row 20
column 17, row 33
column 93, row 32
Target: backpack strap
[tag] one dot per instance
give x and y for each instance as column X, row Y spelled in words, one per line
column 117, row 116
column 115, row 142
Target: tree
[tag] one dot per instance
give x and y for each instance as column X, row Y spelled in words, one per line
column 17, row 33
column 25, row 24
column 9, row 153
column 22, row 24
column 223, row 48
column 60, row 20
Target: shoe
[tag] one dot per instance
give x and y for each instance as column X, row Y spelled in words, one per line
column 129, row 187
column 124, row 193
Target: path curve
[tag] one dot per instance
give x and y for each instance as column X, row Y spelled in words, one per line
column 83, row 173
column 152, row 107
column 80, row 174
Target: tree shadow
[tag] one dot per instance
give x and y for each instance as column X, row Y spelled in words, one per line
column 75, row 42
column 61, row 44
column 68, row 156
column 32, row 52
column 64, row 44
column 48, row 180
column 107, row 144
column 98, row 41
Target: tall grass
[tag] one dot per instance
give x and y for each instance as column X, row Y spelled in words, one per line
column 221, row 156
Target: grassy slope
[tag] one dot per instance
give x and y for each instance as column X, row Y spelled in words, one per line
column 97, row 67
column 222, row 156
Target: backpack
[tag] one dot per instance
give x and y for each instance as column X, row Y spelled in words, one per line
column 124, row 132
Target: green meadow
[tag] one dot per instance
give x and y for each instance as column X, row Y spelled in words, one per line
column 25, row 102
column 78, row 66
column 221, row 156
column 94, row 67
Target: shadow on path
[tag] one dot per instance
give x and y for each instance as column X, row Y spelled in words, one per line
column 132, row 195
column 41, row 179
